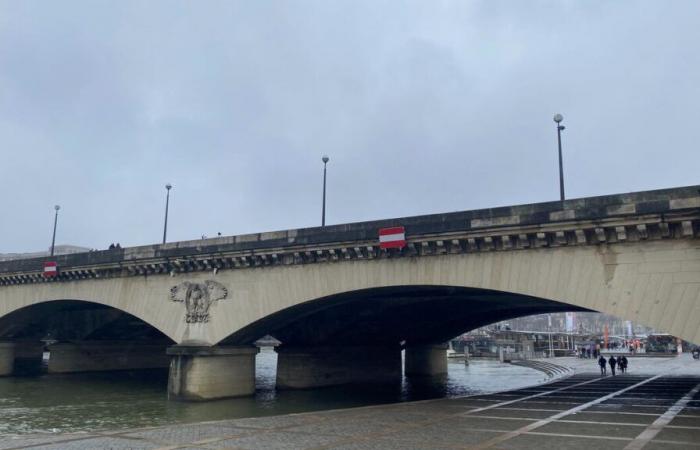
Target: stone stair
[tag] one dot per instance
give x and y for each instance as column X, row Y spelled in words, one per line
column 550, row 369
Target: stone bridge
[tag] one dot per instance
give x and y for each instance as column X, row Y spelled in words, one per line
column 342, row 306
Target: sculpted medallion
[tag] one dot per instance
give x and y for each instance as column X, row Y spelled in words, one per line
column 197, row 298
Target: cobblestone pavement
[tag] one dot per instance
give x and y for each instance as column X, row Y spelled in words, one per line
column 656, row 407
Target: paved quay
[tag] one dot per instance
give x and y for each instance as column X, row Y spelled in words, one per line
column 656, row 406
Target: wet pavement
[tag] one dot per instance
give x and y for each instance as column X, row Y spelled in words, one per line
column 654, row 406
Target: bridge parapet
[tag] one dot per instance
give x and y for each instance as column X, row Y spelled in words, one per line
column 659, row 214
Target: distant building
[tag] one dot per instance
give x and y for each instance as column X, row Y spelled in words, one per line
column 489, row 342
column 58, row 250
column 579, row 322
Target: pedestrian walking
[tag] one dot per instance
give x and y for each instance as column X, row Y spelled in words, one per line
column 622, row 362
column 613, row 362
column 602, row 364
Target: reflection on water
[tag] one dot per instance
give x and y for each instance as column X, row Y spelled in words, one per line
column 113, row 400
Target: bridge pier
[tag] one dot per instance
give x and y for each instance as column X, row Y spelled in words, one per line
column 207, row 373
column 29, row 356
column 7, row 358
column 426, row 360
column 96, row 356
column 310, row 367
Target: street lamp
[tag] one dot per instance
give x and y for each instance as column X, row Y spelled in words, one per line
column 558, row 118
column 551, row 347
column 325, row 160
column 167, row 201
column 55, row 221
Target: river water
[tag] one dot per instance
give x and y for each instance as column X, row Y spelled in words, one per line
column 117, row 400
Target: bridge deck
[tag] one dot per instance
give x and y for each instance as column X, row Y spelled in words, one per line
column 633, row 216
column 651, row 411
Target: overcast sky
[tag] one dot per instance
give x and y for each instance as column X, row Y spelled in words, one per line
column 423, row 107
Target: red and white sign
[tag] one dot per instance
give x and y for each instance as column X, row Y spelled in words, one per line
column 394, row 237
column 50, row 269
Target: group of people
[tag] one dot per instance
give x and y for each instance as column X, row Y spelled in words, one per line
column 112, row 246
column 587, row 353
column 620, row 363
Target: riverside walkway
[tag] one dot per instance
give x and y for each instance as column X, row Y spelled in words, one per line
column 656, row 406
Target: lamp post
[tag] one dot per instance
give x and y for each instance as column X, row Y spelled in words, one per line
column 325, row 160
column 558, row 118
column 55, row 221
column 167, row 201
column 551, row 347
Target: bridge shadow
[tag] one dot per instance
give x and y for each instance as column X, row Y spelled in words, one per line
column 388, row 316
column 70, row 336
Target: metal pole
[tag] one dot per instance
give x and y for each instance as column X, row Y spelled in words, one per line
column 55, row 221
column 561, row 164
column 551, row 348
column 323, row 210
column 167, row 202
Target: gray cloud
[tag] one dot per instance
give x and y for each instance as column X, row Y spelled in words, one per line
column 422, row 106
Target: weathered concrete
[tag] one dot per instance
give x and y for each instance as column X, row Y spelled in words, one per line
column 635, row 256
column 96, row 356
column 7, row 358
column 505, row 218
column 206, row 373
column 309, row 367
column 426, row 360
column 651, row 282
column 28, row 357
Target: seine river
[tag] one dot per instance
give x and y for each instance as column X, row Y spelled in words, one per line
column 116, row 400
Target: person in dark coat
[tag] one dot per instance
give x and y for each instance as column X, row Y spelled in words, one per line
column 613, row 362
column 622, row 362
column 602, row 364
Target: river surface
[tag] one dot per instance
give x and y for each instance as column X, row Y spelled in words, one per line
column 117, row 400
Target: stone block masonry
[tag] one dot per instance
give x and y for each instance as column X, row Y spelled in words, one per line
column 206, row 373
column 97, row 356
column 310, row 367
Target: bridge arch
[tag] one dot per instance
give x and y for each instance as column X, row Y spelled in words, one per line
column 140, row 298
column 80, row 336
column 654, row 283
column 414, row 315
column 75, row 320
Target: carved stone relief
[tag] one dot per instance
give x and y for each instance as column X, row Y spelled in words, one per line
column 197, row 298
